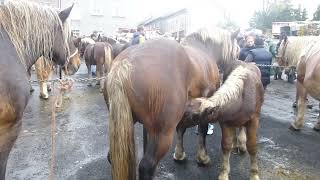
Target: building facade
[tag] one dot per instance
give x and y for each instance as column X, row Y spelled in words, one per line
column 176, row 24
column 102, row 16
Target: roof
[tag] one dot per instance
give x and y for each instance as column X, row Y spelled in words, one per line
column 152, row 20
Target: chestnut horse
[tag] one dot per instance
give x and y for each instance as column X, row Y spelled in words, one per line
column 44, row 71
column 237, row 103
column 289, row 53
column 27, row 32
column 308, row 81
column 152, row 83
column 99, row 54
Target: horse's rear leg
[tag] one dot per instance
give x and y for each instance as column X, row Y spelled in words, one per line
column 299, row 121
column 317, row 125
column 179, row 154
column 8, row 135
column 252, row 127
column 240, row 141
column 157, row 146
column 89, row 74
column 99, row 71
column 226, row 144
column 202, row 157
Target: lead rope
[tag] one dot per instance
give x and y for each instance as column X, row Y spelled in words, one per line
column 64, row 86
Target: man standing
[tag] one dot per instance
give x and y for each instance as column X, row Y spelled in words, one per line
column 249, row 45
column 260, row 55
column 138, row 37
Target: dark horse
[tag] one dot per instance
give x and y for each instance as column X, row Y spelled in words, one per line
column 27, row 32
column 152, row 83
column 99, row 54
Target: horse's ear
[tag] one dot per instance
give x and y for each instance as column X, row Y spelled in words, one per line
column 64, row 14
column 235, row 34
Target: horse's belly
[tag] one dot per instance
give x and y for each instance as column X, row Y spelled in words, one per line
column 313, row 88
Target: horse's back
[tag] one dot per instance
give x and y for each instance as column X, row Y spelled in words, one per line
column 158, row 78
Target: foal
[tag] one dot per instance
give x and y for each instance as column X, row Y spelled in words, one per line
column 237, row 103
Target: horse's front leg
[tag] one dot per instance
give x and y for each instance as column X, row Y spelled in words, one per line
column 251, row 128
column 226, row 143
column 9, row 130
column 179, row 154
column 202, row 156
column 299, row 121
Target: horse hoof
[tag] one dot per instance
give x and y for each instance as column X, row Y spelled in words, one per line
column 180, row 158
column 254, row 177
column 309, row 106
column 239, row 150
column 293, row 128
column 223, row 176
column 109, row 158
column 316, row 129
column 44, row 97
column 204, row 163
column 294, row 105
column 49, row 89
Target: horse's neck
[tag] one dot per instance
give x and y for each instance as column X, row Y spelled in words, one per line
column 7, row 47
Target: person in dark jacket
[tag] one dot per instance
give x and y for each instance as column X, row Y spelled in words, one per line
column 138, row 37
column 245, row 51
column 260, row 55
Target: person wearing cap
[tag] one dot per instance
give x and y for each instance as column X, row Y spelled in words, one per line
column 260, row 55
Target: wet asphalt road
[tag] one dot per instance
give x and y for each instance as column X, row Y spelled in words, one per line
column 82, row 142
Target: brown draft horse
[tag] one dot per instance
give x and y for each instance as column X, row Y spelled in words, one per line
column 42, row 33
column 237, row 103
column 44, row 71
column 152, row 83
column 308, row 82
column 99, row 54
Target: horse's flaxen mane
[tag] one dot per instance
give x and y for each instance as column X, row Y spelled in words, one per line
column 32, row 28
column 87, row 40
column 213, row 39
column 291, row 49
column 230, row 91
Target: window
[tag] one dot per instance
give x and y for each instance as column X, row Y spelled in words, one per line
column 96, row 8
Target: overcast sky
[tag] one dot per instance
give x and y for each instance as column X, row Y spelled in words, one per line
column 240, row 10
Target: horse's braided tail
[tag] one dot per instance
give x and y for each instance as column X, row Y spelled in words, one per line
column 121, row 130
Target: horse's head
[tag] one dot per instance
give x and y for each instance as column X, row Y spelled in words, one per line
column 74, row 59
column 60, row 49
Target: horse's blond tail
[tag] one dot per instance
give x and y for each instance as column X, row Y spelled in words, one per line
column 107, row 58
column 229, row 92
column 121, row 130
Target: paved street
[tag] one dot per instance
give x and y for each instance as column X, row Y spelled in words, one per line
column 82, row 141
